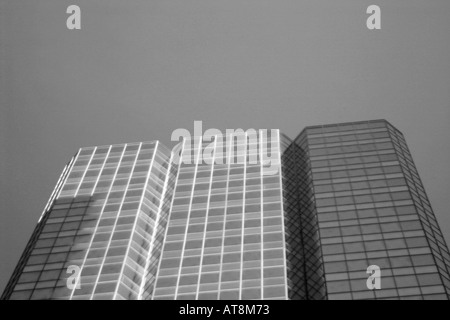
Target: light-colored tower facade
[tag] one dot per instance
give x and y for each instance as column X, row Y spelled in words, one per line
column 202, row 222
column 226, row 234
column 106, row 218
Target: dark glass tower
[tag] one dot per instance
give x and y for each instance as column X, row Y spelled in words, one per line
column 360, row 202
column 251, row 215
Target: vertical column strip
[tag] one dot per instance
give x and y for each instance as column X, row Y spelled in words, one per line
column 196, row 160
column 261, row 145
column 244, row 185
column 96, row 226
column 180, row 160
column 138, row 211
column 228, row 152
column 283, row 213
column 206, row 218
column 115, row 222
column 158, row 216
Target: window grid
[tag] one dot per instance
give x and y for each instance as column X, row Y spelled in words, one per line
column 143, row 227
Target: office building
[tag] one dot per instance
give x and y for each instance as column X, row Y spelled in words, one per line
column 247, row 215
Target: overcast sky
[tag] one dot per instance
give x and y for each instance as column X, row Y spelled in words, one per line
column 137, row 70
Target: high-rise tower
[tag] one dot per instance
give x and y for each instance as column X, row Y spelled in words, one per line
column 363, row 195
column 225, row 238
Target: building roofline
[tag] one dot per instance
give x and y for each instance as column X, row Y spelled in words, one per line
column 328, row 125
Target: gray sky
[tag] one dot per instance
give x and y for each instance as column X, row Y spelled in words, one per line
column 137, row 70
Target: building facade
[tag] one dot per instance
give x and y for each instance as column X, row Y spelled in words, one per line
column 248, row 215
column 370, row 208
column 106, row 217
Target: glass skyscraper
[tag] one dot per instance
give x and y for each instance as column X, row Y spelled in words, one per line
column 362, row 203
column 225, row 238
column 247, row 215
